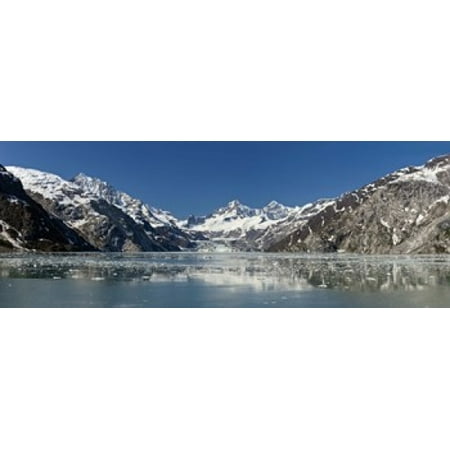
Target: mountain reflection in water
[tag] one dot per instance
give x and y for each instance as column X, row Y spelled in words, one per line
column 245, row 279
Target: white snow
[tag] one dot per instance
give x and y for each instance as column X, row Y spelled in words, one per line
column 135, row 208
column 226, row 225
column 420, row 173
column 237, row 225
column 49, row 185
column 6, row 237
column 444, row 199
column 395, row 238
column 82, row 190
column 420, row 219
column 239, row 219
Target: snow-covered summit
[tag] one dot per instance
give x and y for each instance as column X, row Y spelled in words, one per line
column 240, row 227
column 49, row 185
column 275, row 210
column 135, row 208
column 237, row 218
column 95, row 187
column 83, row 189
column 109, row 219
column 272, row 211
column 235, row 209
column 434, row 171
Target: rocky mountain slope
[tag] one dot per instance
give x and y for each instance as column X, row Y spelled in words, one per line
column 106, row 218
column 136, row 209
column 158, row 224
column 407, row 211
column 25, row 225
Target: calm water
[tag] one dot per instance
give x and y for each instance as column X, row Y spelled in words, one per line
column 220, row 280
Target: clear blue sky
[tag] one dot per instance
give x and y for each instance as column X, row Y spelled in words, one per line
column 199, row 177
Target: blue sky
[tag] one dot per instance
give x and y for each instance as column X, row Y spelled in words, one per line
column 199, row 177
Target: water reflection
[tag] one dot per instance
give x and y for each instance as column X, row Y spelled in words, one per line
column 261, row 273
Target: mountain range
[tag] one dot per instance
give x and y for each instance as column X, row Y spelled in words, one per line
column 407, row 211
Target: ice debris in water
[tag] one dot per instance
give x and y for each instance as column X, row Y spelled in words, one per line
column 256, row 271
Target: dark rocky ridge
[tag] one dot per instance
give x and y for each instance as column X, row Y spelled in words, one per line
column 25, row 225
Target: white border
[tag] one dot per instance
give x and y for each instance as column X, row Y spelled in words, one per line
column 235, row 70
column 202, row 379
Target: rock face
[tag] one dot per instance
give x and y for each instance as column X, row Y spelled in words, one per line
column 25, row 225
column 407, row 211
column 157, row 224
column 103, row 216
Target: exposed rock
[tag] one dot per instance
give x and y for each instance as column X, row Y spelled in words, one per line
column 109, row 220
column 405, row 212
column 25, row 225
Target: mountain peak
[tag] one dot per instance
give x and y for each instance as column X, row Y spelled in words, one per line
column 83, row 179
column 236, row 207
column 439, row 161
column 95, row 187
column 275, row 210
column 234, row 204
column 274, row 205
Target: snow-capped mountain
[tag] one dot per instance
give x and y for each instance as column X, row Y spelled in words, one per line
column 239, row 227
column 110, row 220
column 407, row 211
column 281, row 228
column 236, row 219
column 135, row 208
column 25, row 225
column 277, row 211
column 157, row 223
